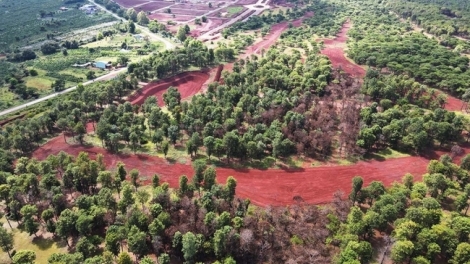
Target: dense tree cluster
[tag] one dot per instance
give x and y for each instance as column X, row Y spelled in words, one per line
column 412, row 54
column 13, row 76
column 399, row 117
column 69, row 116
column 170, row 62
column 429, row 218
column 436, row 17
column 75, row 200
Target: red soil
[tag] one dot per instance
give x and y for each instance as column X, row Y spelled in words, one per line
column 454, row 104
column 188, row 84
column 188, row 12
column 334, row 49
column 166, row 17
column 262, row 187
column 152, row 6
column 273, row 36
column 338, row 60
column 246, row 2
column 130, row 3
column 192, row 6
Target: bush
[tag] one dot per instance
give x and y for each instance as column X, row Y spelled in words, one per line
column 33, row 72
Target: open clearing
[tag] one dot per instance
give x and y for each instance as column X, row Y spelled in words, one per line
column 262, row 187
column 334, row 49
column 188, row 83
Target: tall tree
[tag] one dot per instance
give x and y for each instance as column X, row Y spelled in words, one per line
column 6, row 241
column 190, row 247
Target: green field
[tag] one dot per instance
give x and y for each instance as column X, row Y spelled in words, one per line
column 44, row 247
column 234, row 9
column 23, row 25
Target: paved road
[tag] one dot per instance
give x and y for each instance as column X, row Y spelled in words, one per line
column 154, row 37
column 42, row 99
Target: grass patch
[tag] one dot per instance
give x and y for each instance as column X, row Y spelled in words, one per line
column 387, row 153
column 6, row 97
column 38, row 82
column 44, row 247
column 234, row 10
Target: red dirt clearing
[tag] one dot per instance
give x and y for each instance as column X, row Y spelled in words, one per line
column 166, row 17
column 192, row 6
column 334, row 49
column 152, row 6
column 187, row 12
column 454, row 104
column 262, row 187
column 130, row 3
column 188, row 83
column 273, row 36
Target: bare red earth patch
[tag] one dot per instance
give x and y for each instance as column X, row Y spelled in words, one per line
column 338, row 60
column 262, row 187
column 152, row 6
column 334, row 49
column 187, row 12
column 192, row 6
column 130, row 3
column 188, row 83
column 454, row 104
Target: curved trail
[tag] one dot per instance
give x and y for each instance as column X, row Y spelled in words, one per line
column 262, row 187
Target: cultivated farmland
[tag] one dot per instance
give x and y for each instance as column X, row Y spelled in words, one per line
column 24, row 22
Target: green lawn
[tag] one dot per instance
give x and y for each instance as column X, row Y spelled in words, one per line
column 234, row 10
column 6, row 98
column 39, row 82
column 387, row 153
column 44, row 247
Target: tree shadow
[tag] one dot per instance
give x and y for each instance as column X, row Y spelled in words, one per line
column 171, row 160
column 375, row 156
column 45, row 243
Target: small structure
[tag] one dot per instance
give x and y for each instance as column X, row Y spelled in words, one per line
column 89, row 9
column 102, row 65
column 138, row 37
column 63, row 8
column 84, row 7
column 81, row 65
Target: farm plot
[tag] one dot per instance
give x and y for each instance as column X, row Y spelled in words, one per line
column 246, row 2
column 193, row 6
column 23, row 23
column 169, row 17
column 152, row 6
column 187, row 12
column 130, row 3
column 232, row 11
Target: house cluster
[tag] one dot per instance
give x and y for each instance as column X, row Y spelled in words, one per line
column 89, row 9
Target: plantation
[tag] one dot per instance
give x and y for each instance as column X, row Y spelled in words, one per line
column 343, row 104
column 24, row 22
